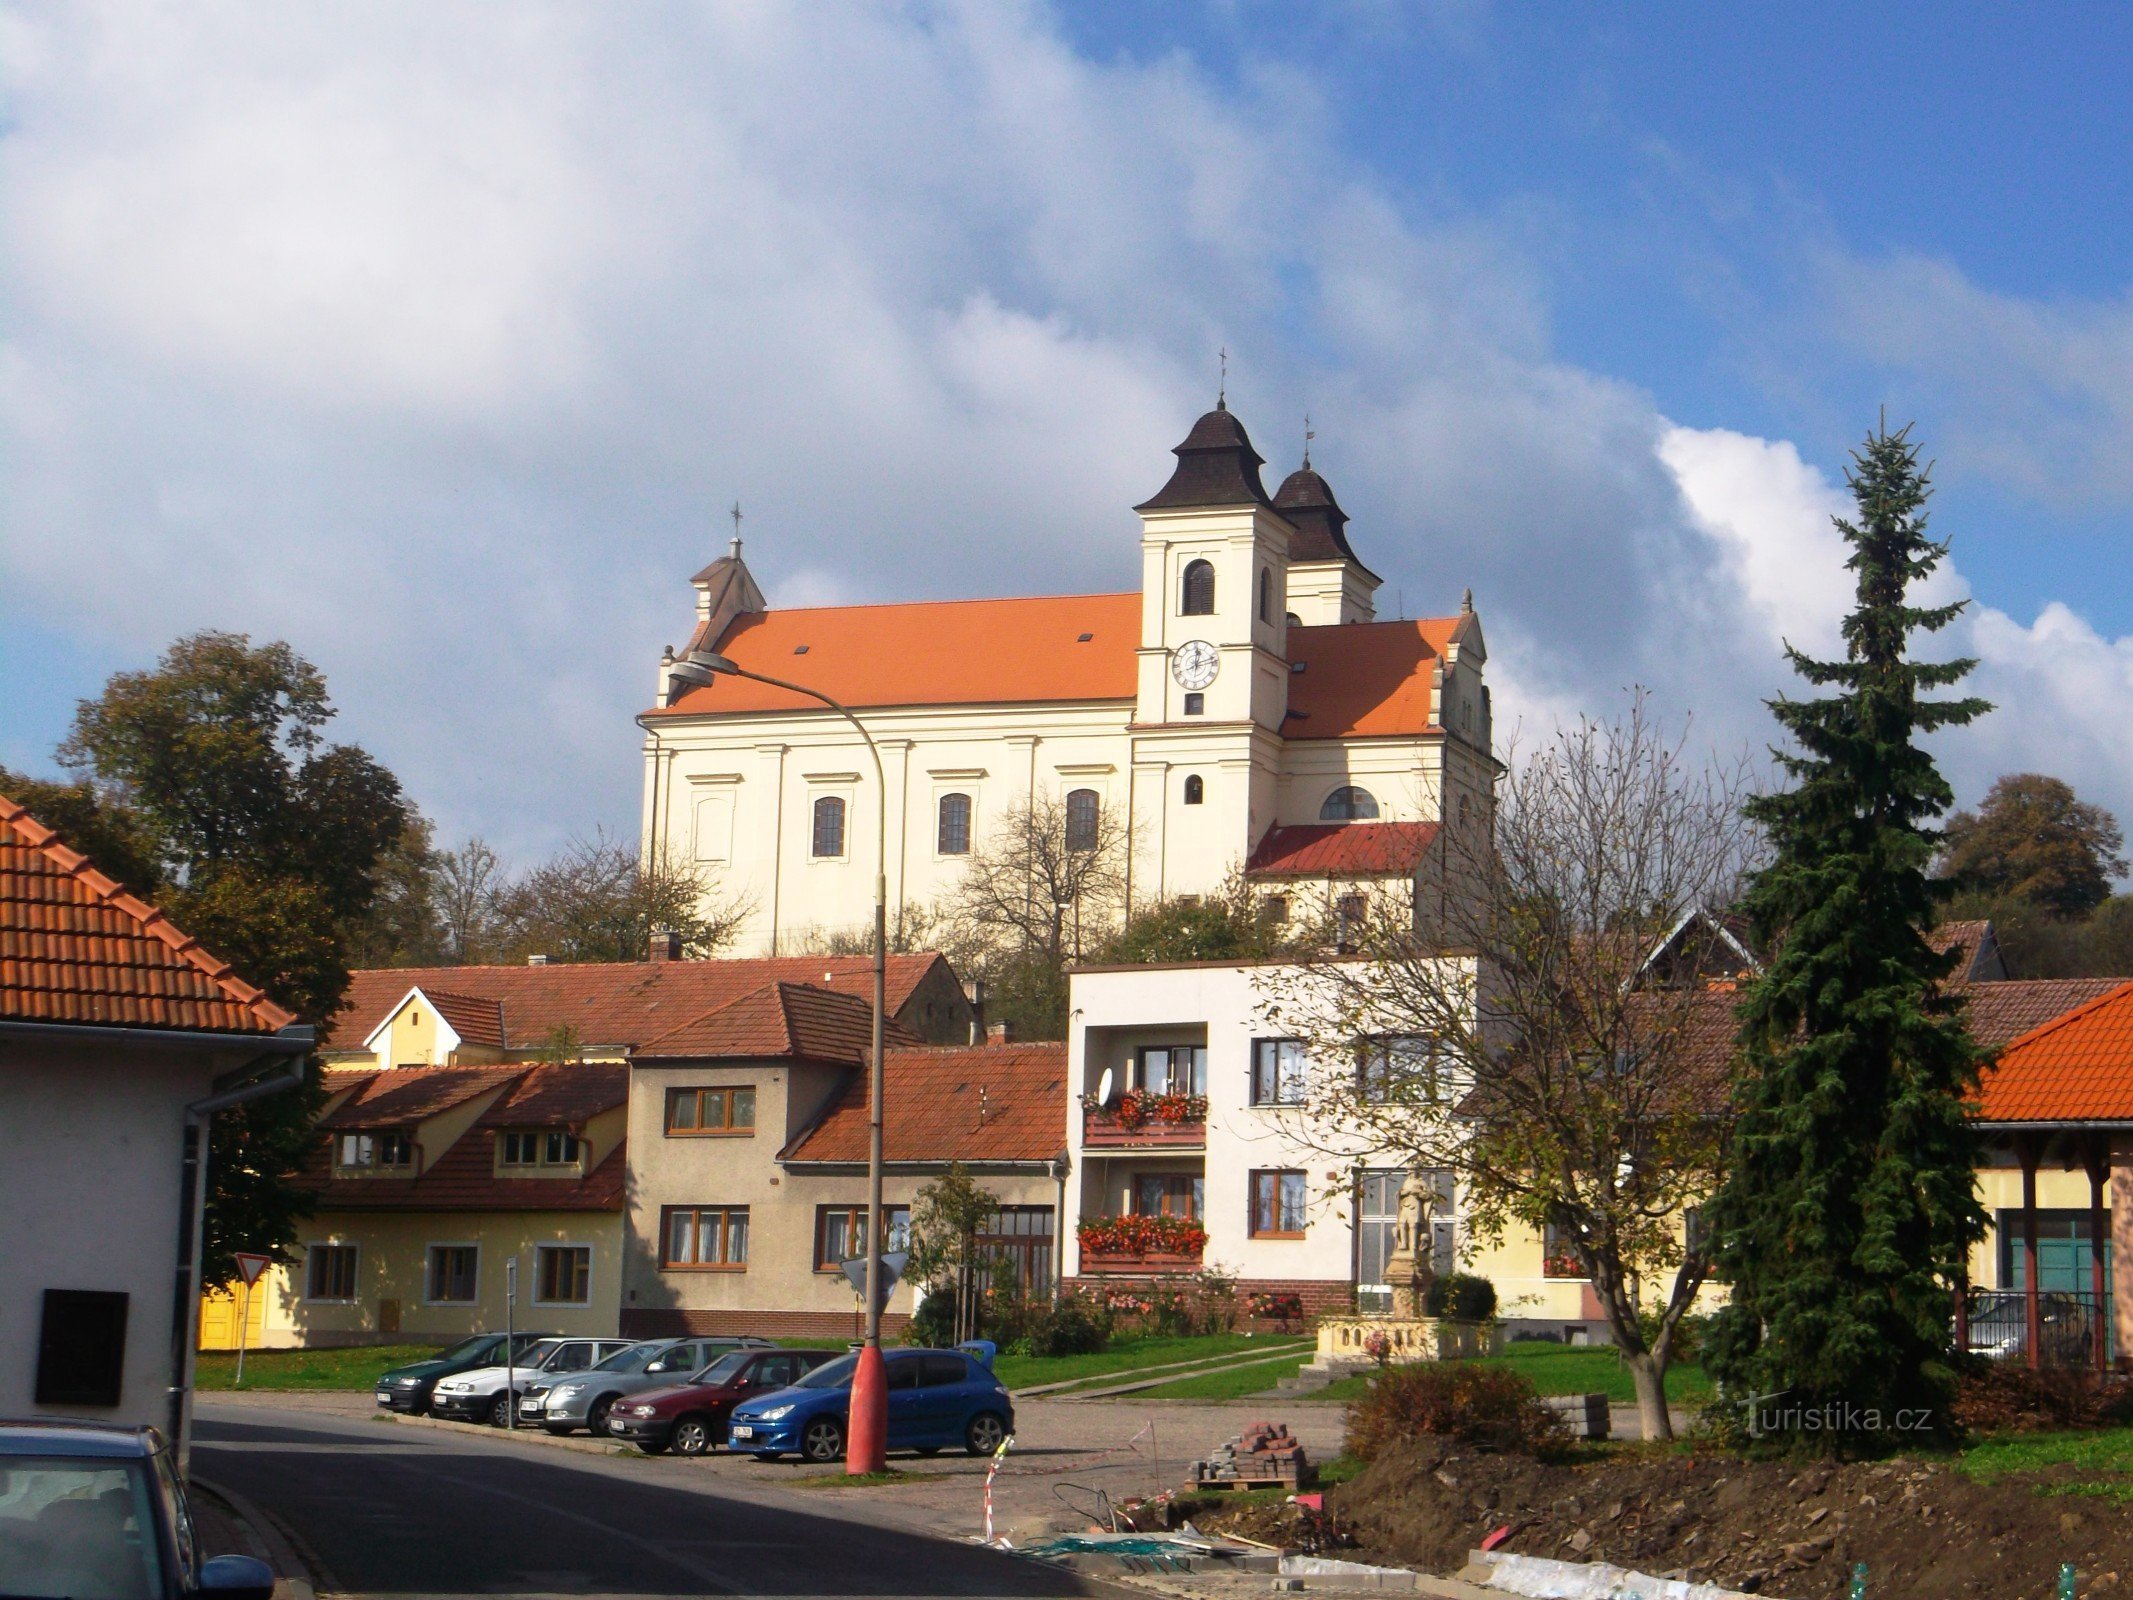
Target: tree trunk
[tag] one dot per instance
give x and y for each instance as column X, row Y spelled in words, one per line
column 1648, row 1373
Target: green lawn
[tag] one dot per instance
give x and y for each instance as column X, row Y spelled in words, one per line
column 1566, row 1369
column 2102, row 1460
column 1124, row 1355
column 354, row 1368
column 1230, row 1383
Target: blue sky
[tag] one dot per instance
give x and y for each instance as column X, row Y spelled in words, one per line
column 435, row 339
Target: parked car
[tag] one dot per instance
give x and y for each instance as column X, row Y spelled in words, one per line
column 409, row 1388
column 937, row 1398
column 564, row 1402
column 481, row 1396
column 691, row 1417
column 93, row 1510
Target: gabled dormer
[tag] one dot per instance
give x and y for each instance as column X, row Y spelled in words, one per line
column 1214, row 586
column 434, row 1028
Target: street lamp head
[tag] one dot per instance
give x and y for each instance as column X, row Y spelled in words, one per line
column 712, row 662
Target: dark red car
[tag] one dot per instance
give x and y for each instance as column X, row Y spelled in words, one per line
column 691, row 1417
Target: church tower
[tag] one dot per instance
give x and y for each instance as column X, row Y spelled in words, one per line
column 1327, row 584
column 1214, row 585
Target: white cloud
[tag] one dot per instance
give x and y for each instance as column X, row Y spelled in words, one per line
column 437, row 340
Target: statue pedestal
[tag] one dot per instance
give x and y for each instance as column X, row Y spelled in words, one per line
column 1410, row 1282
column 1349, row 1341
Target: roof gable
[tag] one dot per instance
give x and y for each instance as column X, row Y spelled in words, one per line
column 975, row 1103
column 2076, row 1067
column 75, row 948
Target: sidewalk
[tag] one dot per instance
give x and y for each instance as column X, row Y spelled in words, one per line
column 228, row 1525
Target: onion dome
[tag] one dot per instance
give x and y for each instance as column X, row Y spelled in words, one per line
column 1307, row 502
column 1217, row 466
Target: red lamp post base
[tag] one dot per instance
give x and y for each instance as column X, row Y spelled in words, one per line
column 866, row 1446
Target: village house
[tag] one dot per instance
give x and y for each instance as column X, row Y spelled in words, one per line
column 119, row 1039
column 1245, row 707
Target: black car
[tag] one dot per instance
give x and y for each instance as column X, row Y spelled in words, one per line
column 408, row 1388
column 91, row 1510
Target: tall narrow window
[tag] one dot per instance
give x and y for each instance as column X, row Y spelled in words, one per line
column 829, row 827
column 955, row 825
column 1195, row 790
column 1278, row 1200
column 1196, row 596
column 1266, row 594
column 1081, row 812
column 1348, row 804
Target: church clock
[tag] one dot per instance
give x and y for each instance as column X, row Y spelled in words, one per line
column 1195, row 664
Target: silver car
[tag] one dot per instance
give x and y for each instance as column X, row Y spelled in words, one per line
column 564, row 1401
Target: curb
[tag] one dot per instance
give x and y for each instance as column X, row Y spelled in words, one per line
column 275, row 1545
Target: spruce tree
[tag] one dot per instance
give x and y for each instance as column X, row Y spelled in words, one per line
column 1850, row 1206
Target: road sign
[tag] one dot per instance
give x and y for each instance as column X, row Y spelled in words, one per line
column 249, row 1267
column 892, row 1268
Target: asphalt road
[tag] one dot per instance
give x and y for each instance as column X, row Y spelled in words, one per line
column 404, row 1511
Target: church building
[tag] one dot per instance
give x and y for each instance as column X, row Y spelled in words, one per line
column 1244, row 709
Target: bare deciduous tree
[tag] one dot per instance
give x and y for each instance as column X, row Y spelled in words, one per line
column 598, row 900
column 1045, row 881
column 1522, row 1038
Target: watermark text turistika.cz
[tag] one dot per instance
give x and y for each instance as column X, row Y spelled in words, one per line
column 1830, row 1416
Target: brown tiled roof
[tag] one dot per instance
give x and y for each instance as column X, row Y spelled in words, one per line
column 561, row 1095
column 1967, row 939
column 779, row 1019
column 402, row 1095
column 464, row 1179
column 2000, row 1013
column 1342, row 849
column 477, row 1019
column 614, row 1003
column 75, row 948
column 1000, row 1102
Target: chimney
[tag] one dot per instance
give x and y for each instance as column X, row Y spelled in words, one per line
column 975, row 992
column 536, row 961
column 666, row 944
column 997, row 1033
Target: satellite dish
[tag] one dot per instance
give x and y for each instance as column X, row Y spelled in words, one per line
column 1103, row 1088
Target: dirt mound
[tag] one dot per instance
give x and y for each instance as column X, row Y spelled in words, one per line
column 1925, row 1531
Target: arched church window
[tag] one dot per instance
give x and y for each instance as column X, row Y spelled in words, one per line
column 955, row 825
column 1197, row 592
column 1081, row 812
column 1266, row 594
column 829, row 826
column 1195, row 790
column 1348, row 804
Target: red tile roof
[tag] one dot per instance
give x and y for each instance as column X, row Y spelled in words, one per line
column 1357, row 679
column 477, row 1019
column 403, row 1095
column 75, row 948
column 1969, row 939
column 2000, row 1013
column 1362, row 679
column 2075, row 1068
column 1002, row 1102
column 464, row 1179
column 779, row 1019
column 947, row 652
column 1342, row 849
column 615, row 1003
column 561, row 1095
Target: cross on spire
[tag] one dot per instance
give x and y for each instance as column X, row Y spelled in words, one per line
column 1309, row 435
column 736, row 515
column 1222, row 389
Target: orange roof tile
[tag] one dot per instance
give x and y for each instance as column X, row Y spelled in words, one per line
column 404, row 1095
column 977, row 1103
column 1342, row 849
column 464, row 1179
column 561, row 1095
column 943, row 652
column 615, row 1003
column 2001, row 1012
column 75, row 948
column 2075, row 1068
column 1362, row 679
column 779, row 1019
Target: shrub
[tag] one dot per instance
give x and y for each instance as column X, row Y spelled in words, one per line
column 933, row 1324
column 1078, row 1326
column 1491, row 1408
column 1461, row 1296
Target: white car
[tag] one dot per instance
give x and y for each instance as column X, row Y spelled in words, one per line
column 482, row 1396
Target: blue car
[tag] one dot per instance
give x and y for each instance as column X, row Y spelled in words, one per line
column 937, row 1398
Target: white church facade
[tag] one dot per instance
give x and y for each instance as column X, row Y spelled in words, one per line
column 1243, row 710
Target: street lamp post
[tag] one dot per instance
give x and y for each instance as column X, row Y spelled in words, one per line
column 866, row 1448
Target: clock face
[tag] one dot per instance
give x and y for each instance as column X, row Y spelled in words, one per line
column 1195, row 664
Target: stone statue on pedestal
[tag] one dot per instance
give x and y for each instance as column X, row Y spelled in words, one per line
column 1409, row 1270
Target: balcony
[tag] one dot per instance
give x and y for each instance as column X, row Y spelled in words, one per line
column 1139, row 1120
column 1140, row 1244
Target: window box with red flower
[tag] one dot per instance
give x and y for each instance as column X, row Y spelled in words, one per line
column 1143, row 1117
column 1137, row 1242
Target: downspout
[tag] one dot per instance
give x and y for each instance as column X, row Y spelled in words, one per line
column 192, row 1206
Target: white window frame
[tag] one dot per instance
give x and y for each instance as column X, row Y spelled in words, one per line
column 355, row 1277
column 840, row 788
column 451, row 1244
column 590, row 1265
column 969, row 791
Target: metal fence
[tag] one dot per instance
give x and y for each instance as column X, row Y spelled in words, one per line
column 2067, row 1326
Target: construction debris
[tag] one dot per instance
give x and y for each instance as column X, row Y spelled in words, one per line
column 1264, row 1456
